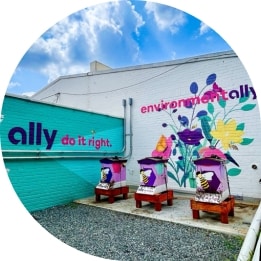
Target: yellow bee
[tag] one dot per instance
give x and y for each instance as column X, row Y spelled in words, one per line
column 144, row 178
column 233, row 147
column 203, row 182
column 106, row 175
column 103, row 174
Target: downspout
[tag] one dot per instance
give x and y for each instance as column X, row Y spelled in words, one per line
column 95, row 154
column 130, row 134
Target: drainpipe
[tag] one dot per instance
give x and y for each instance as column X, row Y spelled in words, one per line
column 250, row 240
column 130, row 129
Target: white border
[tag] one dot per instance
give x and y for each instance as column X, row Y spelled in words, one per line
column 22, row 22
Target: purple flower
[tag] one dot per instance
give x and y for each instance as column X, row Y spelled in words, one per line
column 191, row 137
column 184, row 121
column 215, row 92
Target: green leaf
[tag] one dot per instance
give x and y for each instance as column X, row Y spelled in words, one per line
column 246, row 141
column 210, row 108
column 189, row 167
column 206, row 129
column 233, row 172
column 171, row 175
column 207, row 118
column 240, row 126
column 180, row 164
column 183, row 179
column 222, row 103
column 172, row 165
column 181, row 148
column 243, row 99
column 248, row 107
column 231, row 159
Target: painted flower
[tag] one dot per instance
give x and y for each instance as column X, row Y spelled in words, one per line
column 210, row 152
column 163, row 147
column 184, row 121
column 215, row 92
column 227, row 133
column 191, row 137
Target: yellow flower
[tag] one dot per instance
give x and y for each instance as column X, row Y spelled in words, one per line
column 227, row 133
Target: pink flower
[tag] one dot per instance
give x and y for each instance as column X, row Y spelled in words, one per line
column 211, row 152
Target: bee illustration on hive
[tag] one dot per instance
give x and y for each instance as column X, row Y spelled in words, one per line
column 207, row 181
column 106, row 175
column 147, row 177
column 202, row 180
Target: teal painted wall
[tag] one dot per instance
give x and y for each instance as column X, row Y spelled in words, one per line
column 44, row 166
column 28, row 115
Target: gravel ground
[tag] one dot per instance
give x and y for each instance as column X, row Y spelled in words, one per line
column 118, row 236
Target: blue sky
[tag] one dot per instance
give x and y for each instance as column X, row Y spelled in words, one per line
column 118, row 34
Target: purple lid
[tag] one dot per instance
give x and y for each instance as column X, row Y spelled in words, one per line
column 208, row 161
column 152, row 160
column 113, row 160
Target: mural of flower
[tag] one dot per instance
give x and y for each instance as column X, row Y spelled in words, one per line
column 227, row 133
column 163, row 147
column 211, row 94
column 203, row 132
column 211, row 151
column 191, row 137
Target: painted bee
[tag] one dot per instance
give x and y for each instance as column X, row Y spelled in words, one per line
column 144, row 178
column 106, row 175
column 203, row 181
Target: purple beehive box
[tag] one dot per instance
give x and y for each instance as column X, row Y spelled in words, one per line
column 113, row 173
column 211, row 179
column 153, row 175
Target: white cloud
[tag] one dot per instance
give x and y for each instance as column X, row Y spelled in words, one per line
column 13, row 84
column 173, row 55
column 28, row 94
column 203, row 28
column 166, row 18
column 71, row 44
column 137, row 18
column 97, row 19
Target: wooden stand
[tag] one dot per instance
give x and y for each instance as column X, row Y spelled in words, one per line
column 225, row 208
column 111, row 193
column 156, row 199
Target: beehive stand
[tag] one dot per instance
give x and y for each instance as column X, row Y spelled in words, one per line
column 156, row 199
column 111, row 193
column 225, row 208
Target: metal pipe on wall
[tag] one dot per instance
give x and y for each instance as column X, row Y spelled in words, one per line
column 130, row 130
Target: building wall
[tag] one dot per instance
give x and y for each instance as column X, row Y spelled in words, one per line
column 52, row 153
column 153, row 86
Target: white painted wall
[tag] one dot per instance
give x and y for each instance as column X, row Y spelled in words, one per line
column 103, row 92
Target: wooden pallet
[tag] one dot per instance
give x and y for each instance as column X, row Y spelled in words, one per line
column 225, row 208
column 111, row 193
column 156, row 199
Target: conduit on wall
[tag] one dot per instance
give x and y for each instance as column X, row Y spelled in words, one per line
column 130, row 134
column 91, row 154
